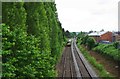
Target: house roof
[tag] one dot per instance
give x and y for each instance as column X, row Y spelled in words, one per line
column 97, row 33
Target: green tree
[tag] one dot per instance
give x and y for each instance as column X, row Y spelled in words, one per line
column 14, row 15
column 90, row 42
column 84, row 39
column 33, row 40
column 67, row 34
column 54, row 30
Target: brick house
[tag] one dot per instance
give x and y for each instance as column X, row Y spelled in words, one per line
column 107, row 36
column 102, row 36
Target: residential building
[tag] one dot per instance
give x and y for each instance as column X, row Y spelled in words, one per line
column 102, row 36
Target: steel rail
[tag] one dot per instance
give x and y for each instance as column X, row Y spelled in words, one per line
column 78, row 74
column 87, row 65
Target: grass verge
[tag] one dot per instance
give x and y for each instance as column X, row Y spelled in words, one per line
column 99, row 67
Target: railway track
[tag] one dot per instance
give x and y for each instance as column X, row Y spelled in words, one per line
column 74, row 66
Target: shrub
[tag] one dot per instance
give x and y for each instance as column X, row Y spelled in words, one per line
column 116, row 44
column 84, row 39
column 108, row 50
column 90, row 42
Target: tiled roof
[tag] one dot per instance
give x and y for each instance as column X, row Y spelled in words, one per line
column 97, row 33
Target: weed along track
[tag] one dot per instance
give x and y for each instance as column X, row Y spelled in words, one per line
column 74, row 65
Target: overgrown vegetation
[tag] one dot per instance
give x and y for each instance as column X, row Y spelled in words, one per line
column 101, row 70
column 111, row 50
column 108, row 50
column 86, row 40
column 70, row 34
column 32, row 39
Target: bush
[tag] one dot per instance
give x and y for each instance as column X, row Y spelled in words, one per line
column 108, row 50
column 90, row 42
column 116, row 44
column 84, row 39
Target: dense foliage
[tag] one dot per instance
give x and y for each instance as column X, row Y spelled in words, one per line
column 86, row 40
column 116, row 45
column 32, row 39
column 108, row 50
column 69, row 34
column 90, row 42
column 100, row 68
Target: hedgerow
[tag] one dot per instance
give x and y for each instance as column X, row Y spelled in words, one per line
column 108, row 50
column 32, row 39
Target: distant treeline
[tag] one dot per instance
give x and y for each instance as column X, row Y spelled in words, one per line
column 70, row 34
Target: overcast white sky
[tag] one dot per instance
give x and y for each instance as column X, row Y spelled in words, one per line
column 86, row 15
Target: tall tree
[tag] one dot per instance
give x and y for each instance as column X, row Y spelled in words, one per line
column 32, row 39
column 14, row 14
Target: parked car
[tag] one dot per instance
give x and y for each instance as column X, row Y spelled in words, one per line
column 105, row 42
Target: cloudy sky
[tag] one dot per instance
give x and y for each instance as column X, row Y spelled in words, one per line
column 86, row 15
